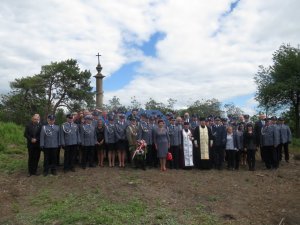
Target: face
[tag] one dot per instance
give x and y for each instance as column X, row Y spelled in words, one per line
column 186, row 126
column 100, row 123
column 186, row 115
column 51, row 122
column 250, row 128
column 172, row 122
column 262, row 117
column 229, row 130
column 161, row 124
column 179, row 120
column 70, row 120
column 35, row 119
column 202, row 123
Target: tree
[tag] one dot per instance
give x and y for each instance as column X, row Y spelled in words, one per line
column 114, row 105
column 58, row 85
column 205, row 108
column 233, row 110
column 278, row 86
column 66, row 86
column 135, row 104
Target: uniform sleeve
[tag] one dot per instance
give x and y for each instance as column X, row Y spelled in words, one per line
column 105, row 134
column 62, row 138
column 42, row 137
column 128, row 135
column 81, row 134
column 78, row 135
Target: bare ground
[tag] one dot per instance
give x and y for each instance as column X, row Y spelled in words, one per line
column 234, row 197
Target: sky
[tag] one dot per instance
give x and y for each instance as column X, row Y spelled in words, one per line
column 187, row 50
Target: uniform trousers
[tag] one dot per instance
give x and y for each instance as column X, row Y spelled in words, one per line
column 69, row 156
column 285, row 147
column 218, row 155
column 87, row 156
column 50, row 157
column 174, row 164
column 270, row 157
column 34, row 153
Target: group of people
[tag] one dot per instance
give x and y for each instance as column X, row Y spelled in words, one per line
column 142, row 140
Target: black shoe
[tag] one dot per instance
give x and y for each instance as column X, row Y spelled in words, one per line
column 29, row 175
column 53, row 172
column 72, row 169
column 36, row 174
column 45, row 174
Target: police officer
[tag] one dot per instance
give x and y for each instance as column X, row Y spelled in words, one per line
column 285, row 139
column 175, row 142
column 269, row 142
column 70, row 139
column 145, row 133
column 32, row 135
column 219, row 143
column 88, row 141
column 50, row 142
column 151, row 157
column 131, row 134
column 121, row 139
column 110, row 140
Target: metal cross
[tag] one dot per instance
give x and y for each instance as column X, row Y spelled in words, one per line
column 98, row 57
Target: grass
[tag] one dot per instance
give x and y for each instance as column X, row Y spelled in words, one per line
column 91, row 207
column 12, row 148
column 295, row 146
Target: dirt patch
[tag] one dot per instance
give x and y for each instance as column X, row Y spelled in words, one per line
column 235, row 197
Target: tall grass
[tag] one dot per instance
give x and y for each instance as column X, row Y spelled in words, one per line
column 12, row 147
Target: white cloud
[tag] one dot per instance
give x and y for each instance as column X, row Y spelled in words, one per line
column 204, row 54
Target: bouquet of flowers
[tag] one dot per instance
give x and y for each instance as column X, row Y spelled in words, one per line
column 141, row 149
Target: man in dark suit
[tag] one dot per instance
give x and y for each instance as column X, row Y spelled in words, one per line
column 219, row 142
column 32, row 134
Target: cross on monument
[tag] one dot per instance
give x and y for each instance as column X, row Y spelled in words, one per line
column 98, row 57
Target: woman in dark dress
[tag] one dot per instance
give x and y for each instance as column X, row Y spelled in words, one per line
column 100, row 142
column 250, row 145
column 162, row 143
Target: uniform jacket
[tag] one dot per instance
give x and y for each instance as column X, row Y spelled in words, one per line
column 175, row 135
column 88, row 135
column 285, row 133
column 131, row 133
column 50, row 136
column 69, row 134
column 120, row 131
column 219, row 134
column 144, row 132
column 269, row 136
column 110, row 133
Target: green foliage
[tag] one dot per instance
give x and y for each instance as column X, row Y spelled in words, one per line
column 278, row 86
column 295, row 145
column 60, row 84
column 233, row 110
column 12, row 148
column 205, row 108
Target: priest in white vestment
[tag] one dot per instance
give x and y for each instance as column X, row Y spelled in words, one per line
column 187, row 146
